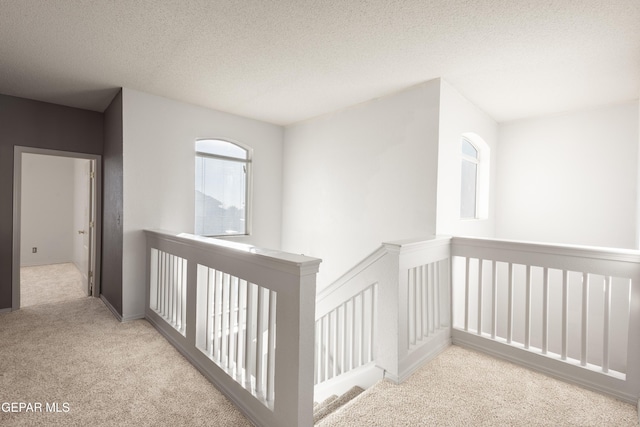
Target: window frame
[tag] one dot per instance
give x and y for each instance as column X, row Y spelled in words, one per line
column 482, row 162
column 248, row 181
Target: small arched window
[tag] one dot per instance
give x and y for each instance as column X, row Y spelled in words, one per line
column 474, row 177
column 222, row 188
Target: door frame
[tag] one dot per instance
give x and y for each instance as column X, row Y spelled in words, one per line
column 96, row 242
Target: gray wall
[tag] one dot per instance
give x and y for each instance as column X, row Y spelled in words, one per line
column 41, row 125
column 112, row 205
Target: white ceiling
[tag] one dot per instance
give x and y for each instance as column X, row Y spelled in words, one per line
column 283, row 61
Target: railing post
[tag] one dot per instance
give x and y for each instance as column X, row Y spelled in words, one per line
column 391, row 335
column 397, row 353
column 633, row 346
column 201, row 278
column 295, row 320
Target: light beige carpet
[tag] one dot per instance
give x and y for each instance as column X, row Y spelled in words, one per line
column 44, row 284
column 108, row 373
column 461, row 387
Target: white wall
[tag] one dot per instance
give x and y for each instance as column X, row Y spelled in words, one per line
column 158, row 173
column 361, row 176
column 570, row 178
column 47, row 210
column 459, row 116
column 638, row 185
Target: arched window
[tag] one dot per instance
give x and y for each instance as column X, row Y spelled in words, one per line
column 222, row 188
column 474, row 177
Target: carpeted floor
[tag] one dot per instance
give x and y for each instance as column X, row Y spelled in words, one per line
column 104, row 373
column 97, row 371
column 462, row 387
column 44, row 284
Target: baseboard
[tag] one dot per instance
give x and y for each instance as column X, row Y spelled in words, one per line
column 560, row 370
column 420, row 356
column 111, row 308
column 117, row 315
column 133, row 317
column 5, row 310
column 364, row 376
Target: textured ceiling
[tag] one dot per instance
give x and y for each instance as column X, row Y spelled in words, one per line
column 289, row 60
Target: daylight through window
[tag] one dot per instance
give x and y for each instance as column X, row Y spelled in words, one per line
column 474, row 177
column 469, row 180
column 222, row 182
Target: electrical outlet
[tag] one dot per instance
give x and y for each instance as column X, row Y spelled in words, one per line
column 34, row 250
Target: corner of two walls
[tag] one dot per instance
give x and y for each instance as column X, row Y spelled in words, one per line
column 570, row 178
column 637, row 245
column 361, row 176
column 458, row 116
column 334, row 187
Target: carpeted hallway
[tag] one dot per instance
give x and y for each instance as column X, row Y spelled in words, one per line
column 101, row 372
column 45, row 284
column 108, row 373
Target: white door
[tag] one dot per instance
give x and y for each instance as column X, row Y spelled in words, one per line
column 88, row 228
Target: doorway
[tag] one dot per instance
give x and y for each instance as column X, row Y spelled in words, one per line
column 56, row 226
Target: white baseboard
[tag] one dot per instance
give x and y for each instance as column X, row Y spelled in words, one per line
column 118, row 315
column 422, row 355
column 364, row 376
column 133, row 317
column 561, row 370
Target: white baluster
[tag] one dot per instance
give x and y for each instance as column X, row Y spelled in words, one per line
column 435, row 304
column 607, row 314
column 260, row 343
column 479, row 328
column 565, row 314
column 466, row 295
column 510, row 306
column 248, row 361
column 494, row 299
column 242, row 325
column 527, row 309
column 585, row 319
column 545, row 310
column 271, row 355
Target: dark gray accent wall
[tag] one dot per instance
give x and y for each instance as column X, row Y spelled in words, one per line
column 112, row 231
column 36, row 124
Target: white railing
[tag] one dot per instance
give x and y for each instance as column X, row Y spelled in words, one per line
column 243, row 316
column 246, row 317
column 345, row 336
column 391, row 313
column 572, row 312
column 168, row 297
column 239, row 329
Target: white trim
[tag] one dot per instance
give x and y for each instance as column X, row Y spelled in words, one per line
column 554, row 368
column 593, row 252
column 483, row 171
column 18, row 151
column 248, row 162
column 363, row 376
column 353, row 272
column 421, row 356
